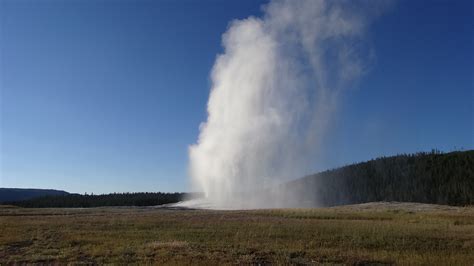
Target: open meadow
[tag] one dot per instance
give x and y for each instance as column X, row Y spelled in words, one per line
column 360, row 234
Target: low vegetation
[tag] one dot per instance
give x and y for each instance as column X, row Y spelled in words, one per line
column 347, row 235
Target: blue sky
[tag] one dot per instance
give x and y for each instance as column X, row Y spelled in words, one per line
column 106, row 96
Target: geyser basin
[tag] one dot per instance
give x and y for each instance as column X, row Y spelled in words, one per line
column 274, row 92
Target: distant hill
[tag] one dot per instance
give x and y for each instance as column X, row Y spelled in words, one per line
column 18, row 194
column 439, row 178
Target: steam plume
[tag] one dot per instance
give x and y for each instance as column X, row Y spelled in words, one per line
column 274, row 92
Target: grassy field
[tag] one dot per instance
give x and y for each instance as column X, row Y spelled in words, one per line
column 348, row 235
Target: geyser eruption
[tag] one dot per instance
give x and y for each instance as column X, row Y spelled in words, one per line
column 274, row 91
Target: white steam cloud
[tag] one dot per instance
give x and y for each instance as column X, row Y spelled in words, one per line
column 274, row 92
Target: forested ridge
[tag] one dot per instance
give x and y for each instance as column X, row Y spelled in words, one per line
column 434, row 177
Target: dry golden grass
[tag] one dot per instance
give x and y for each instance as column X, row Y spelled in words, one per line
column 348, row 235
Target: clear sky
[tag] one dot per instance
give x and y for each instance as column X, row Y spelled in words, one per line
column 106, row 96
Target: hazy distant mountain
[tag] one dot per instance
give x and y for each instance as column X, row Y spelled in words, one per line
column 17, row 194
column 440, row 178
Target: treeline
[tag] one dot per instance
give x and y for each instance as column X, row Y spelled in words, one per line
column 435, row 177
column 115, row 199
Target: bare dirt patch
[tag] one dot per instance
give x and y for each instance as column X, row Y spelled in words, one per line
column 168, row 244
